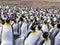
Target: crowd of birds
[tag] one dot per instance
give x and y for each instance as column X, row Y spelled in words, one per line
column 30, row 26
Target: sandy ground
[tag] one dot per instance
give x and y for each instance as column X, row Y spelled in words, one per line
column 41, row 4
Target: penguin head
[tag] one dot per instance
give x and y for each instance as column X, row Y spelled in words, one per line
column 33, row 27
column 45, row 22
column 58, row 25
column 39, row 27
column 15, row 21
column 21, row 19
column 52, row 24
column 45, row 35
column 7, row 21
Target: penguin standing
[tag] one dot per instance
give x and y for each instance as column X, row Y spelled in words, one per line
column 44, row 40
column 7, row 34
column 33, row 35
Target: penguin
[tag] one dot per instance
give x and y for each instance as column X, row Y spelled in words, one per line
column 23, row 28
column 57, row 37
column 15, row 27
column 45, row 27
column 33, row 35
column 1, row 27
column 44, row 40
column 7, row 34
column 38, row 30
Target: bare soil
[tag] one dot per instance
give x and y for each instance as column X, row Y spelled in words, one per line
column 35, row 3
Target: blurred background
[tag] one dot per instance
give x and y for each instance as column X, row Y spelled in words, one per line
column 33, row 3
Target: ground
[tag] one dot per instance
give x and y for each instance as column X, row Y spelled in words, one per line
column 41, row 4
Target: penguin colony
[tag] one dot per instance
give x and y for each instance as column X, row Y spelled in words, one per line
column 26, row 25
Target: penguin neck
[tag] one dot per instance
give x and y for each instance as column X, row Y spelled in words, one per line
column 47, row 39
column 0, row 22
column 34, row 32
column 14, row 22
column 7, row 24
column 38, row 30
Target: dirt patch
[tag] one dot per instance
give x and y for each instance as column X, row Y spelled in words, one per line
column 40, row 4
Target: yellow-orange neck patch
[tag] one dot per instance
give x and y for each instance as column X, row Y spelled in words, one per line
column 38, row 30
column 47, row 40
column 6, row 24
column 34, row 32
